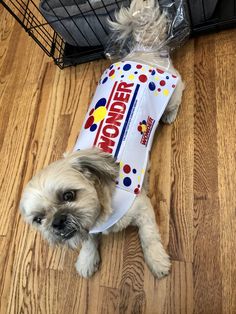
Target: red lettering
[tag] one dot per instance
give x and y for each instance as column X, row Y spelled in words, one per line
column 110, row 130
column 122, row 97
column 106, row 144
column 118, row 107
column 125, row 87
column 114, row 118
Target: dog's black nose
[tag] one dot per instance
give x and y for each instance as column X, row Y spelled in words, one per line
column 59, row 222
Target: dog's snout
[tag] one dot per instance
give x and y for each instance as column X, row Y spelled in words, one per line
column 59, row 222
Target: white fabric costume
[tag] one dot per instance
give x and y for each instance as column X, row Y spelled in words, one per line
column 126, row 108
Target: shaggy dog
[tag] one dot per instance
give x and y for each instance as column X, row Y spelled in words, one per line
column 72, row 195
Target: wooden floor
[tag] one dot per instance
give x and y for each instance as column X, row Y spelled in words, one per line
column 193, row 181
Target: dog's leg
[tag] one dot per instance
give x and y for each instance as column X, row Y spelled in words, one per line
column 88, row 260
column 172, row 108
column 154, row 253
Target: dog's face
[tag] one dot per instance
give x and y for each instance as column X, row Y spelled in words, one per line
column 66, row 199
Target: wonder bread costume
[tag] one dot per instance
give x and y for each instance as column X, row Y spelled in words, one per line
column 122, row 118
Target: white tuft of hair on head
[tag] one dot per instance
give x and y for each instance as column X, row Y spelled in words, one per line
column 143, row 23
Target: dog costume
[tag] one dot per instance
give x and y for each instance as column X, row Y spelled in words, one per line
column 122, row 118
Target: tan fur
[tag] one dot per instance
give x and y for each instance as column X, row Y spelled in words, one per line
column 92, row 173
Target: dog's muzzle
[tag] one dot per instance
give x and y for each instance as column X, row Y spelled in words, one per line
column 61, row 227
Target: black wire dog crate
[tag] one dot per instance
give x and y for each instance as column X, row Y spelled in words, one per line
column 76, row 31
column 212, row 15
column 69, row 31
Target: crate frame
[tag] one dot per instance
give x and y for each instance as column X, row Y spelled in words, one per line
column 51, row 42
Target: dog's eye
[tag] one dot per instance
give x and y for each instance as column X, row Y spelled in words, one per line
column 38, row 219
column 69, row 196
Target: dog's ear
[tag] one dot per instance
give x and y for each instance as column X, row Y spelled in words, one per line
column 94, row 162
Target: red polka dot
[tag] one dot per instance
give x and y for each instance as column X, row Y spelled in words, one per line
column 138, row 185
column 139, row 128
column 143, row 78
column 126, row 169
column 89, row 122
column 174, row 76
column 162, row 83
column 91, row 112
column 136, row 191
column 119, row 68
column 173, row 85
column 160, row 71
column 158, row 89
column 150, row 70
column 139, row 66
column 111, row 72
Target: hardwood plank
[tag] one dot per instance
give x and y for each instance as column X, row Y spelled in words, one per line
column 226, row 134
column 112, row 260
column 206, row 246
column 109, row 301
column 132, row 294
column 172, row 294
column 181, row 202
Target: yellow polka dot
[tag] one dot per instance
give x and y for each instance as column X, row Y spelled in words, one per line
column 155, row 93
column 121, row 163
column 156, row 78
column 117, row 64
column 139, row 178
column 144, row 128
column 142, row 171
column 121, row 176
column 131, row 77
column 166, row 92
column 99, row 114
column 120, row 71
column 113, row 76
column 143, row 69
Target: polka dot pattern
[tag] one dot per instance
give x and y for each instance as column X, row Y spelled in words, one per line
column 112, row 72
column 158, row 83
column 89, row 122
column 160, row 71
column 126, row 67
column 152, row 86
column 127, row 181
column 105, row 80
column 96, row 115
column 126, row 169
column 101, row 102
column 143, row 78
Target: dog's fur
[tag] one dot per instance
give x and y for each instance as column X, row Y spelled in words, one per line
column 89, row 177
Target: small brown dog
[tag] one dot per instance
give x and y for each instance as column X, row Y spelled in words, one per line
column 72, row 195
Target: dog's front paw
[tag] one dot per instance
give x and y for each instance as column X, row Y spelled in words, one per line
column 170, row 116
column 86, row 266
column 158, row 261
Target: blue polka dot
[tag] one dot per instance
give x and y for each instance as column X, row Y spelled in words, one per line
column 93, row 127
column 152, row 86
column 100, row 103
column 122, row 76
column 167, row 77
column 144, row 122
column 153, row 72
column 126, row 67
column 134, row 171
column 135, row 72
column 105, row 79
column 111, row 67
column 127, row 181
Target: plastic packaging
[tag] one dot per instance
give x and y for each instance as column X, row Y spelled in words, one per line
column 149, row 30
